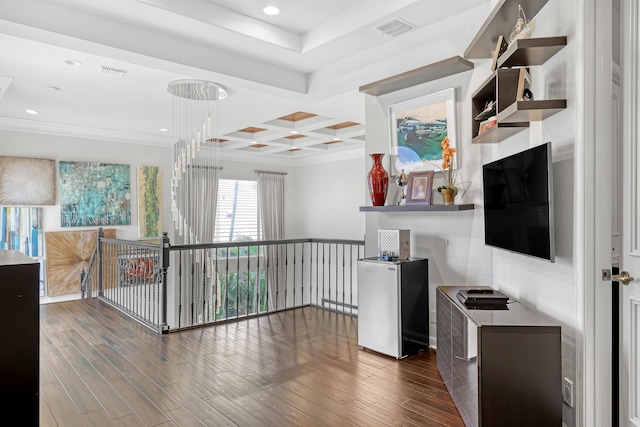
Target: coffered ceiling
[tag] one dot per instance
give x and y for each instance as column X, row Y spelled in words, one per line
column 297, row 71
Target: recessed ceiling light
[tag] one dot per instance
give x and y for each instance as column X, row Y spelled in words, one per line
column 254, row 142
column 73, row 63
column 336, row 139
column 271, row 10
column 32, row 112
column 164, row 130
column 294, row 132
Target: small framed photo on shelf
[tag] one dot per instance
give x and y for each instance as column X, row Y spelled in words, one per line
column 419, row 188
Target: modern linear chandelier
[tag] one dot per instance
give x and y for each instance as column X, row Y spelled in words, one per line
column 196, row 118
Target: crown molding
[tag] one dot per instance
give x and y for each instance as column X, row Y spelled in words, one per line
column 46, row 128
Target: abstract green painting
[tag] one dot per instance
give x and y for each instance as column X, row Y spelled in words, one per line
column 94, row 194
column 149, row 201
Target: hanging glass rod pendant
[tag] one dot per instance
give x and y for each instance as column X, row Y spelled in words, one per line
column 197, row 90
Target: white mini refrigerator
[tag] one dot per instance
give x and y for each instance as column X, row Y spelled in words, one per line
column 393, row 306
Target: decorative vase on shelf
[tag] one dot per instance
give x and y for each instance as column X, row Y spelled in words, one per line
column 447, row 195
column 378, row 180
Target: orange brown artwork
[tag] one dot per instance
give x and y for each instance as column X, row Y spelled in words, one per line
column 68, row 253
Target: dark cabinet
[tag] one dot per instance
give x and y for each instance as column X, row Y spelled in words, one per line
column 20, row 316
column 501, row 367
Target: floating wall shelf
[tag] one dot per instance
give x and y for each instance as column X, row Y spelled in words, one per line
column 417, row 208
column 531, row 111
column 499, row 132
column 502, row 86
column 435, row 71
column 528, row 52
column 500, row 23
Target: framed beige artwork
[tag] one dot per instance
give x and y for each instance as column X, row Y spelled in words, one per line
column 67, row 254
column 26, row 181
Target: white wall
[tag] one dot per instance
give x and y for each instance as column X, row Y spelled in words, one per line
column 454, row 241
column 327, row 200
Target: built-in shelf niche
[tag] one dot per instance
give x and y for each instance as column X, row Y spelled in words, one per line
column 513, row 114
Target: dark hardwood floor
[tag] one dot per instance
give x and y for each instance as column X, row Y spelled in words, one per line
column 301, row 367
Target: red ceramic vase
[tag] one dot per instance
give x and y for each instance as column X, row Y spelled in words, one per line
column 378, row 180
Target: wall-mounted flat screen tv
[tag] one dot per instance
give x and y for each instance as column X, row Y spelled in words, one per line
column 518, row 203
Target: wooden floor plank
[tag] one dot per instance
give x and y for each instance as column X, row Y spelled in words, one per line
column 60, row 405
column 160, row 398
column 266, row 416
column 283, row 408
column 78, row 392
column 98, row 362
column 408, row 415
column 130, row 421
column 46, row 373
column 434, row 414
column 141, row 405
column 308, row 407
column 46, row 417
column 301, row 367
column 199, row 408
column 400, row 393
column 234, row 412
column 98, row 418
column 182, row 417
column 387, row 418
column 111, row 401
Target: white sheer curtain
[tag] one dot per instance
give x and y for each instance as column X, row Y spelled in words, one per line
column 204, row 193
column 271, row 207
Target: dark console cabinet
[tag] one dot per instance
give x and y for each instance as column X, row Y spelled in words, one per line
column 501, row 367
column 19, row 354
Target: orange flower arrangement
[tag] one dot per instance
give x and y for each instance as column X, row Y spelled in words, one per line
column 447, row 166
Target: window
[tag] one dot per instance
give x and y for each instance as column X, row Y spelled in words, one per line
column 237, row 211
column 238, row 293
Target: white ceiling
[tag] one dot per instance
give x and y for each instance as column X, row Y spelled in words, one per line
column 307, row 58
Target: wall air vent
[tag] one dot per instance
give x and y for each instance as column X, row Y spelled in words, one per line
column 111, row 72
column 395, row 27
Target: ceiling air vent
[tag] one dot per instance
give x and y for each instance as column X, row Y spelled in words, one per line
column 395, row 27
column 111, row 72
